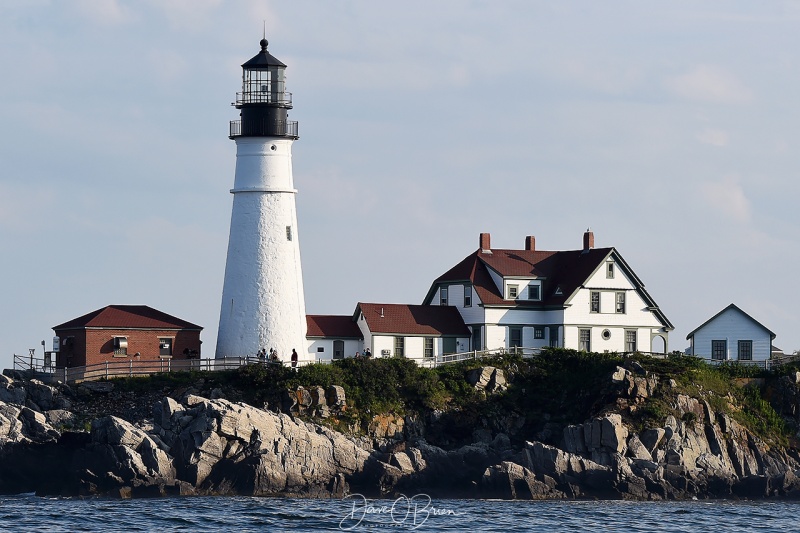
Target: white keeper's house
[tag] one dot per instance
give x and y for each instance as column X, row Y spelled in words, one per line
column 587, row 299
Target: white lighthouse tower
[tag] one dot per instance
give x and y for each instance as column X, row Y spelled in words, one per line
column 263, row 305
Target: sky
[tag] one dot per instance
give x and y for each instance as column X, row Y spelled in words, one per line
column 671, row 129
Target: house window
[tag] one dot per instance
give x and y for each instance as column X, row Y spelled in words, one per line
column 620, row 308
column 514, row 336
column 399, row 346
column 610, row 270
column 288, row 233
column 467, row 295
column 554, row 336
column 585, row 340
column 512, row 292
column 538, row 332
column 428, row 352
column 443, row 296
column 164, row 346
column 719, row 350
column 630, row 340
column 594, row 306
column 745, row 350
column 120, row 346
column 320, row 349
column 534, row 292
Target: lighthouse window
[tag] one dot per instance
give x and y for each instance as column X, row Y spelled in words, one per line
column 288, row 233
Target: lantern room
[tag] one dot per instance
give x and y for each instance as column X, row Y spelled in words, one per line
column 264, row 101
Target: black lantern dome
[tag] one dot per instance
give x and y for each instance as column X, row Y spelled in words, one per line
column 264, row 101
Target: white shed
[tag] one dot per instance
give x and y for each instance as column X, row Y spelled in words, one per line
column 731, row 335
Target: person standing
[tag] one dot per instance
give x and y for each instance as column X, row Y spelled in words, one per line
column 294, row 358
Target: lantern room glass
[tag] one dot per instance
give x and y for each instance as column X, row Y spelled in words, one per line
column 263, row 85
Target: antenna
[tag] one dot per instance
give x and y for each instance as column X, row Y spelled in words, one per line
column 265, row 29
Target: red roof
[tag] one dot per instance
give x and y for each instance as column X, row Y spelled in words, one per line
column 565, row 270
column 413, row 319
column 342, row 326
column 126, row 317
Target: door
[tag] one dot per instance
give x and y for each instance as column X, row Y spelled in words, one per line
column 338, row 349
column 476, row 338
column 449, row 345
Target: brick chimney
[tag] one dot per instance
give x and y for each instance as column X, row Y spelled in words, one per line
column 588, row 240
column 485, row 243
column 530, row 243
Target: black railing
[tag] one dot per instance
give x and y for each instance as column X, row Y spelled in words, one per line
column 282, row 128
column 267, row 97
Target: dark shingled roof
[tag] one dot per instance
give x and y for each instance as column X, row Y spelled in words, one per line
column 413, row 319
column 565, row 270
column 341, row 326
column 263, row 59
column 127, row 316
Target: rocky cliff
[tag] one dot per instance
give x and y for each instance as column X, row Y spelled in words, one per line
column 184, row 443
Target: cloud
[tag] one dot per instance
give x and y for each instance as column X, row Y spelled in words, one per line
column 194, row 15
column 604, row 76
column 727, row 197
column 713, row 137
column 22, row 205
column 104, row 12
column 708, row 83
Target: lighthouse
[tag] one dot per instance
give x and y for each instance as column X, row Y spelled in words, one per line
column 263, row 305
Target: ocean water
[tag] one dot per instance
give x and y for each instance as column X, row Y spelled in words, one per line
column 240, row 514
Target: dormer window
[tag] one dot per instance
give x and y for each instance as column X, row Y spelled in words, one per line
column 534, row 292
column 443, row 296
column 512, row 292
column 467, row 295
column 610, row 270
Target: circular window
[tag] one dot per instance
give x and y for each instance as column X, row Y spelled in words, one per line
column 273, row 147
column 606, row 334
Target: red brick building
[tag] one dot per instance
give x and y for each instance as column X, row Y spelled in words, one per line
column 124, row 332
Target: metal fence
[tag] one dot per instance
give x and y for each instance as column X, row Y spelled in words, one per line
column 44, row 370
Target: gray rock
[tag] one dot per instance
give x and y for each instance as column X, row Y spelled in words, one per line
column 613, row 433
column 402, row 461
column 96, row 387
column 12, row 393
column 651, row 438
column 318, row 397
column 480, row 377
column 637, row 450
column 42, row 395
column 498, row 382
column 35, row 426
column 574, row 439
column 60, row 418
column 336, row 397
column 619, row 375
column 304, row 399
